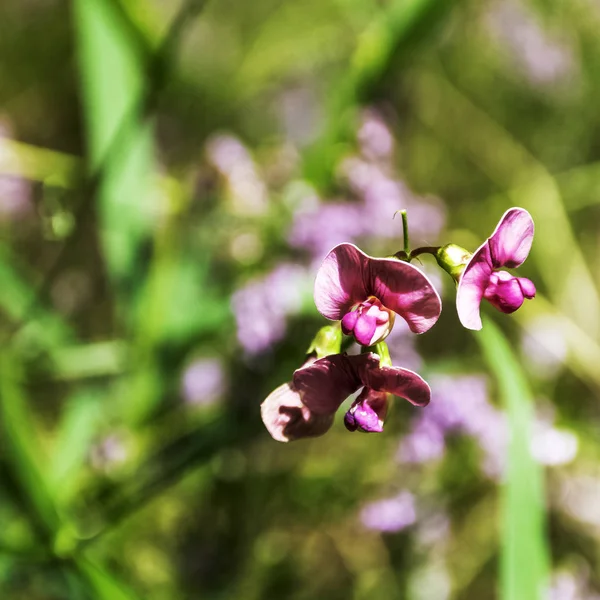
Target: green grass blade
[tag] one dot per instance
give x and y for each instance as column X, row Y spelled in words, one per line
column 22, row 450
column 524, row 553
column 113, row 81
column 100, row 582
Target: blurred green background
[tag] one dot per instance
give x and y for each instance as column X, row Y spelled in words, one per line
column 171, row 175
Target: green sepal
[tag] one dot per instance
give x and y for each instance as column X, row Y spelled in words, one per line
column 453, row 259
column 327, row 341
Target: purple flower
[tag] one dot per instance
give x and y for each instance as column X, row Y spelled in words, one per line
column 306, row 406
column 364, row 293
column 461, row 406
column 263, row 306
column 508, row 246
column 203, row 381
column 321, row 227
column 391, row 514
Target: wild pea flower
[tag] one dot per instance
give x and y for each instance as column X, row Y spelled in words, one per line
column 479, row 275
column 365, row 293
column 306, row 406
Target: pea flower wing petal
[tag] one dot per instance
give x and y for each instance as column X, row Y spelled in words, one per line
column 287, row 418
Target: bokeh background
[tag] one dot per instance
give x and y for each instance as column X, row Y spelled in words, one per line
column 171, row 175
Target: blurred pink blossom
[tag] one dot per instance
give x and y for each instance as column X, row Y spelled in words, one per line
column 390, row 515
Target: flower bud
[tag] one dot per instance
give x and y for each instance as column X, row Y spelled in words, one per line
column 453, row 259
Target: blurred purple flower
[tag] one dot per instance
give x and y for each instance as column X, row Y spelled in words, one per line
column 424, row 443
column 375, row 139
column 233, row 161
column 544, row 60
column 326, row 225
column 15, row 192
column 382, row 195
column 203, row 381
column 370, row 176
column 263, row 306
column 508, row 246
column 461, row 406
column 390, row 515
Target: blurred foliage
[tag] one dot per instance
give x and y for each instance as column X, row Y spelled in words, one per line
column 171, row 174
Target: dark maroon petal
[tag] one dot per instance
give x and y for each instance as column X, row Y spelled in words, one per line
column 406, row 290
column 340, row 281
column 327, row 382
column 527, row 287
column 511, row 241
column 398, row 381
column 472, row 286
column 287, row 419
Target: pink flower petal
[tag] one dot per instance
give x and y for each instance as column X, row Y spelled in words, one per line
column 400, row 382
column 406, row 290
column 472, row 286
column 348, row 277
column 511, row 241
column 287, row 419
column 527, row 287
column 340, row 282
column 365, row 329
column 504, row 292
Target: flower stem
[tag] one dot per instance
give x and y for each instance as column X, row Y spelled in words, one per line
column 405, row 231
column 425, row 250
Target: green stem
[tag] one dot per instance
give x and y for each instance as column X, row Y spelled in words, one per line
column 405, row 231
column 425, row 250
column 384, row 354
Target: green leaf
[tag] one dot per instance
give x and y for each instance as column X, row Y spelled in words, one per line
column 524, row 554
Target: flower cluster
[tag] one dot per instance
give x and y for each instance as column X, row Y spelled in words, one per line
column 364, row 295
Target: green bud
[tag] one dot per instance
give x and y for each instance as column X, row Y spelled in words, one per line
column 453, row 259
column 327, row 341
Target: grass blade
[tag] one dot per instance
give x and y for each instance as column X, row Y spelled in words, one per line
column 524, row 553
